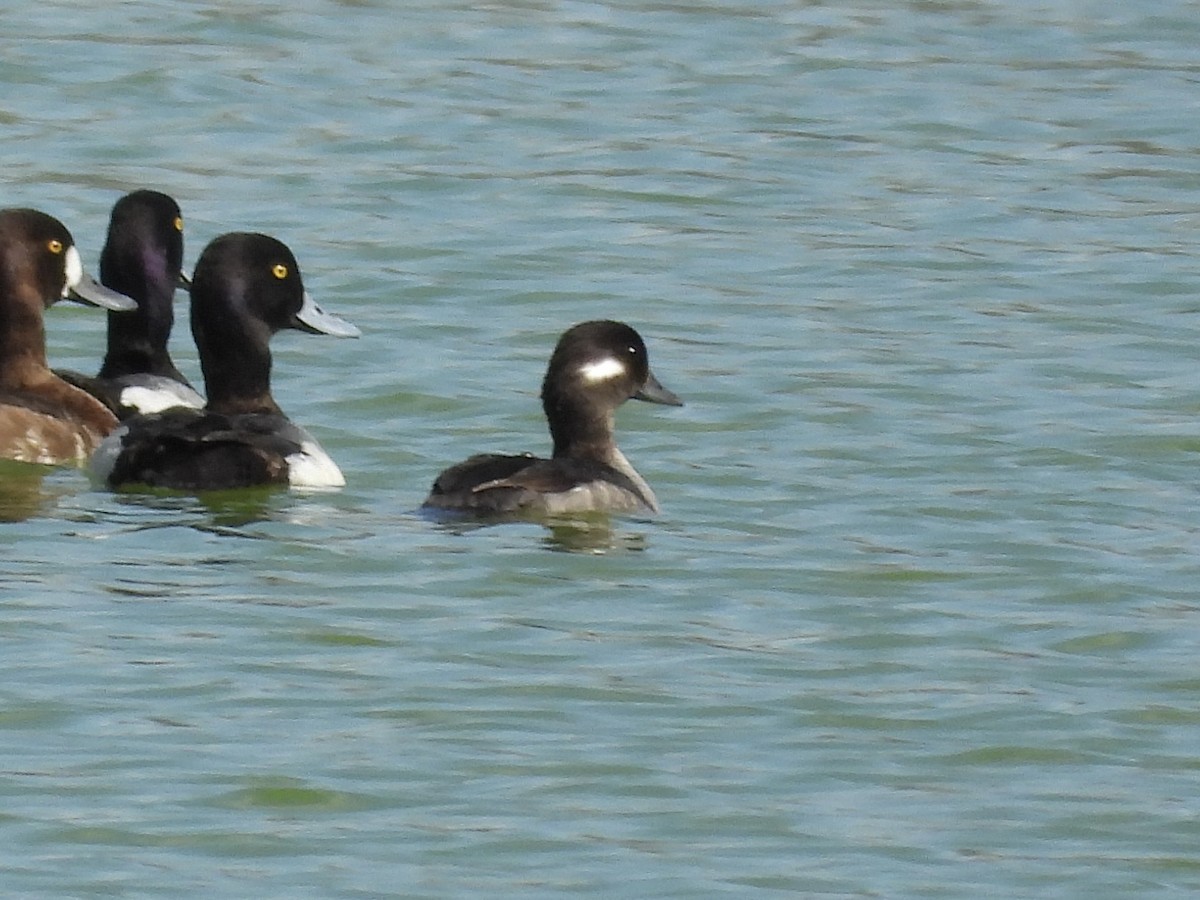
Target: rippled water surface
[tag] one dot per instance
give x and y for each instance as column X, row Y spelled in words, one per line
column 920, row 616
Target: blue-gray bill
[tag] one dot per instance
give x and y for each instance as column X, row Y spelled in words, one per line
column 312, row 318
column 88, row 290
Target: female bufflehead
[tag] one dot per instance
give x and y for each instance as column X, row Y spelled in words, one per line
column 43, row 419
column 245, row 288
column 596, row 367
column 142, row 258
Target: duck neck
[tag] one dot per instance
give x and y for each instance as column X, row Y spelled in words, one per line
column 22, row 342
column 135, row 348
column 579, row 430
column 584, row 431
column 237, row 373
column 244, row 389
column 23, row 350
column 137, row 340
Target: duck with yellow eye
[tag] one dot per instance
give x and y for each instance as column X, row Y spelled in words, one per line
column 246, row 287
column 43, row 419
column 143, row 259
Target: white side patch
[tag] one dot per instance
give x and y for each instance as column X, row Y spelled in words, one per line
column 618, row 461
column 101, row 464
column 152, row 400
column 73, row 267
column 313, row 468
column 602, row 370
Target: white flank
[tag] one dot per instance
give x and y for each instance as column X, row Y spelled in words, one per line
column 602, row 369
column 313, row 468
column 152, row 400
column 101, row 464
column 618, row 461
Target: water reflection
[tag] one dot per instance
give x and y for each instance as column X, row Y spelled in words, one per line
column 21, row 492
column 583, row 533
column 597, row 536
column 237, row 509
column 217, row 511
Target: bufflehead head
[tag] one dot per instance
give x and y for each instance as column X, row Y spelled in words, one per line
column 596, row 366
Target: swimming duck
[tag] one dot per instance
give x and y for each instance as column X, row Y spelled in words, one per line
column 595, row 367
column 245, row 288
column 142, row 258
column 43, row 419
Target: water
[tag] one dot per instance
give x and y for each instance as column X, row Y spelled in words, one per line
column 920, row 616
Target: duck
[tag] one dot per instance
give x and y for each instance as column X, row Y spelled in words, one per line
column 246, row 287
column 43, row 419
column 142, row 259
column 595, row 367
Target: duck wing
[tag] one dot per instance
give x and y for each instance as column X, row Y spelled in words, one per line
column 190, row 449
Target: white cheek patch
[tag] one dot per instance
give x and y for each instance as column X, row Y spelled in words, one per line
column 602, row 370
column 73, row 268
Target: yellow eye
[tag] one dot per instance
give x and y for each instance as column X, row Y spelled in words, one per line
column 54, row 245
column 280, row 270
column 179, row 223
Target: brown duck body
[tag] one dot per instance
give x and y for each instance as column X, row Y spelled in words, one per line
column 43, row 419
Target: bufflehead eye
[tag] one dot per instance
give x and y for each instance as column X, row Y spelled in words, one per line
column 179, row 223
column 602, row 370
column 280, row 271
column 55, row 246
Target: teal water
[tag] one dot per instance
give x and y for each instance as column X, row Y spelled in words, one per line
column 920, row 616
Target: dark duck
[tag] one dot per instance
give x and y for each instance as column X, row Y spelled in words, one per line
column 595, row 368
column 246, row 287
column 142, row 259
